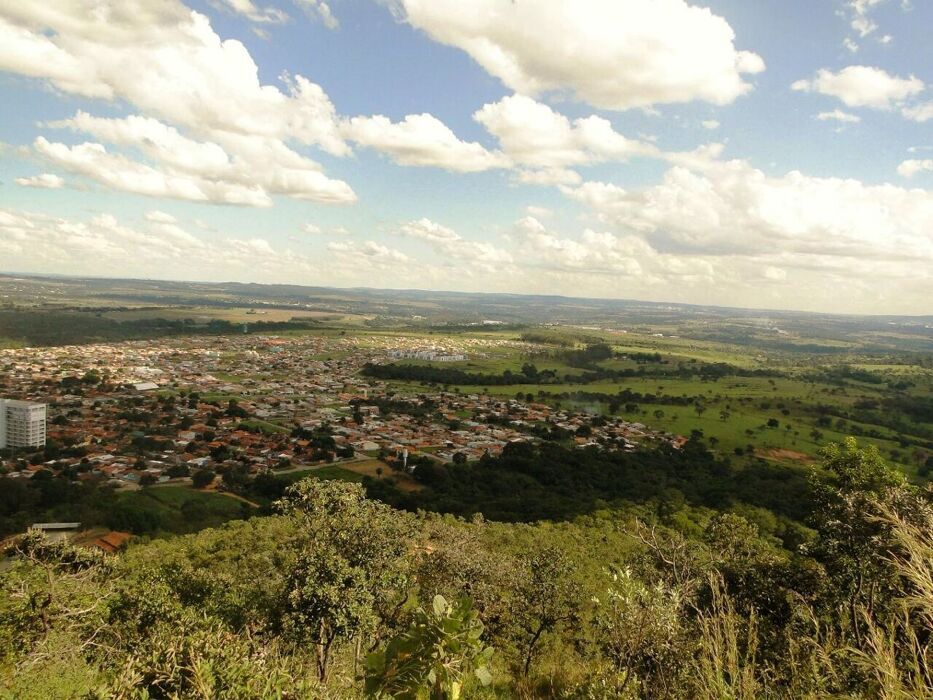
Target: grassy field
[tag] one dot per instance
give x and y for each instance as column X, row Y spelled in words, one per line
column 377, row 469
column 263, row 426
column 735, row 410
column 329, row 472
column 181, row 509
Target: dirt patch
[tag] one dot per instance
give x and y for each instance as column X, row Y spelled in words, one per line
column 784, row 454
column 403, row 481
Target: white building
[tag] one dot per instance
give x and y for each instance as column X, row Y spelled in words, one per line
column 22, row 423
column 56, row 532
column 431, row 355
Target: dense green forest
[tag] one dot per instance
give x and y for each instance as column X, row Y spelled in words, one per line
column 530, row 374
column 525, row 484
column 35, row 327
column 686, row 593
column 551, row 482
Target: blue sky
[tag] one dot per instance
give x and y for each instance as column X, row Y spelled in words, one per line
column 775, row 154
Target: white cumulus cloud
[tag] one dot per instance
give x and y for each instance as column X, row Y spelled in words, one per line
column 838, row 115
column 731, row 208
column 369, row 252
column 47, row 181
column 532, row 134
column 614, row 54
column 319, row 9
column 200, row 100
column 862, row 86
column 103, row 245
column 919, row 113
column 454, row 247
column 254, row 13
column 911, row 167
column 423, row 140
column 160, row 217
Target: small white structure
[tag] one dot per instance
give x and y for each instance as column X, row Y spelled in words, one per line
column 431, row 355
column 56, row 532
column 22, row 423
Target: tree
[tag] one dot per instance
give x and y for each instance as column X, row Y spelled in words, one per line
column 353, row 570
column 639, row 628
column 430, row 660
column 547, row 597
column 59, row 589
column 236, row 477
column 235, row 410
column 178, row 470
column 201, row 478
column 850, row 533
column 327, row 598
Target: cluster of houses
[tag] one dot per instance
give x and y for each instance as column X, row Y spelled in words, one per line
column 143, row 412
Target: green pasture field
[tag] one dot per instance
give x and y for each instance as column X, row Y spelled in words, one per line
column 263, row 426
column 181, row 509
column 740, row 397
column 328, row 472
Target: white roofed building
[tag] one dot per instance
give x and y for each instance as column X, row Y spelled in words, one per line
column 22, row 423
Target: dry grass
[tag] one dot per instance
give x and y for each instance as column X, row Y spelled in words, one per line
column 899, row 656
column 725, row 664
column 369, row 467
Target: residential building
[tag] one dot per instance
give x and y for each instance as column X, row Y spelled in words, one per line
column 22, row 423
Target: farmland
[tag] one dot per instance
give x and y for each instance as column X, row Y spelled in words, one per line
column 805, row 402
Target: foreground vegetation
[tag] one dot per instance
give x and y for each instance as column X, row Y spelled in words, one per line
column 341, row 596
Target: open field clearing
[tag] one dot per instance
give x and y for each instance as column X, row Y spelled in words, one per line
column 378, row 469
column 174, row 509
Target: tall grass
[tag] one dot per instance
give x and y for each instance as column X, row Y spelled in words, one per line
column 897, row 655
column 724, row 666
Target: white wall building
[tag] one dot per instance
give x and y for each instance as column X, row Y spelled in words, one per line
column 430, row 355
column 22, row 423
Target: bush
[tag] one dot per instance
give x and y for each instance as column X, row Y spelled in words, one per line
column 201, row 478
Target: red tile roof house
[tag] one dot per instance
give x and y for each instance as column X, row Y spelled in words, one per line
column 112, row 542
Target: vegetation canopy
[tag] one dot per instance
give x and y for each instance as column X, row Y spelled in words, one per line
column 321, row 601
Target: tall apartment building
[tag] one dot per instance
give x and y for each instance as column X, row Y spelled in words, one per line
column 22, row 423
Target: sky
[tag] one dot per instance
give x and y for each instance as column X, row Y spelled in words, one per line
column 770, row 154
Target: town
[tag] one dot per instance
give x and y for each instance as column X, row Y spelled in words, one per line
column 191, row 410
